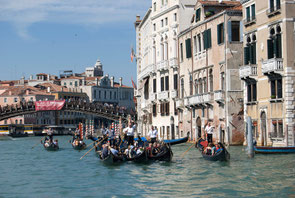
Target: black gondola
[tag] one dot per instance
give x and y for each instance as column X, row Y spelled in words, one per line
column 79, row 146
column 222, row 155
column 50, row 146
column 111, row 158
column 141, row 158
column 176, row 141
column 165, row 155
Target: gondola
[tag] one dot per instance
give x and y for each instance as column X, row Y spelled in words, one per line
column 50, row 147
column 274, row 150
column 165, row 155
column 222, row 155
column 176, row 141
column 79, row 146
column 111, row 158
column 141, row 158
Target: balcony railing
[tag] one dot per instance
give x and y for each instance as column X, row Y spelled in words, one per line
column 219, row 96
column 164, row 95
column 247, row 71
column 153, row 96
column 272, row 65
column 146, row 71
column 274, row 11
column 173, row 93
column 173, row 63
column 250, row 20
column 207, row 98
column 196, row 99
column 186, row 102
column 179, row 103
column 163, row 65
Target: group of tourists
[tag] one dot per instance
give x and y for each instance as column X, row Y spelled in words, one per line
column 49, row 139
column 77, row 140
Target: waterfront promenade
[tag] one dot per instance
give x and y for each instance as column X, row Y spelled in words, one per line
column 27, row 172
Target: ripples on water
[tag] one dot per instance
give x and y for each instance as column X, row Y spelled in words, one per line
column 27, row 172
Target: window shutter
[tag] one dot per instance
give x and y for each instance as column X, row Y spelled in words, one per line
column 248, row 13
column 253, row 11
column 278, row 46
column 205, row 40
column 278, row 4
column 188, row 48
column 229, row 31
column 271, row 5
column 270, row 48
column 162, row 83
column 219, row 33
column 279, row 88
column 253, row 53
column 167, row 83
column 250, row 53
column 249, row 92
column 246, row 55
column 155, row 85
column 209, row 38
column 273, row 88
column 254, row 92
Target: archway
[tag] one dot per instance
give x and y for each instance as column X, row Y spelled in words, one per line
column 263, row 129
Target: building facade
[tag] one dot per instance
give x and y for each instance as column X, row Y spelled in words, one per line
column 210, row 91
column 268, row 71
column 157, row 65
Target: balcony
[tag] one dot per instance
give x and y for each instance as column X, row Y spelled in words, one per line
column 248, row 71
column 274, row 11
column 173, row 94
column 249, row 21
column 186, row 102
column 196, row 99
column 179, row 103
column 153, row 96
column 207, row 98
column 274, row 65
column 146, row 71
column 173, row 63
column 219, row 96
column 163, row 65
column 164, row 95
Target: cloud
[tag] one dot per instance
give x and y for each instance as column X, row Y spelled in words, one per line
column 23, row 13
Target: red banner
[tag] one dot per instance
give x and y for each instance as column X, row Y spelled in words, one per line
column 49, row 105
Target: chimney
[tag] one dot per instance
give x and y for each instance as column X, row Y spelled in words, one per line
column 120, row 81
column 48, row 89
column 112, row 81
column 48, row 77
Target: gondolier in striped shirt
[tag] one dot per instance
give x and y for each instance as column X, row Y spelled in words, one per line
column 129, row 131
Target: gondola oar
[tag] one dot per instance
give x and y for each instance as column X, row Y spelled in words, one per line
column 37, row 143
column 92, row 148
column 187, row 150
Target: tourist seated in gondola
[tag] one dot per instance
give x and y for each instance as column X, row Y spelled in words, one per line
column 114, row 150
column 128, row 151
column 209, row 149
column 139, row 150
column 105, row 151
column 149, row 149
column 156, row 149
column 55, row 142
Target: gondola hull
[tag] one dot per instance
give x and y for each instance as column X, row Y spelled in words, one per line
column 79, row 146
column 111, row 159
column 274, row 150
column 176, row 141
column 51, row 147
column 142, row 158
column 222, row 155
column 163, row 156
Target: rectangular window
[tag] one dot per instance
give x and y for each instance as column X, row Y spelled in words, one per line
column 181, row 52
column 195, row 44
column 251, row 92
column 166, row 21
column 162, row 83
column 253, row 17
column 162, row 23
column 199, row 43
column 167, row 109
column 207, row 39
column 188, row 48
column 155, row 85
column 175, row 81
column 154, row 27
column 175, row 16
column 198, row 15
column 220, row 33
column 276, row 88
column 248, row 17
column 167, row 83
column 155, row 6
column 274, row 47
column 5, row 100
column 154, row 110
column 235, row 30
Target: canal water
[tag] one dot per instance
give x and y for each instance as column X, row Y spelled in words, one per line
column 26, row 172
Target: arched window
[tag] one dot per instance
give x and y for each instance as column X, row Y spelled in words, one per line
column 211, row 80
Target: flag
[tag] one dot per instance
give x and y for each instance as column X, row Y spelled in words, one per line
column 133, row 84
column 132, row 54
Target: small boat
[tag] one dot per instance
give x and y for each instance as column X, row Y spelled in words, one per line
column 165, row 155
column 222, row 155
column 141, row 158
column 274, row 150
column 111, row 158
column 79, row 146
column 176, row 141
column 50, row 146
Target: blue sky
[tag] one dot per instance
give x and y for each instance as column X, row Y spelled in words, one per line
column 52, row 35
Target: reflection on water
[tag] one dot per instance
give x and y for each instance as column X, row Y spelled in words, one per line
column 27, row 172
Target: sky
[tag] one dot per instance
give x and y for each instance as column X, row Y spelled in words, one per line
column 48, row 36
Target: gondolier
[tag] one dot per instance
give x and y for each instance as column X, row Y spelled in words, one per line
column 129, row 131
column 209, row 132
column 50, row 134
column 153, row 134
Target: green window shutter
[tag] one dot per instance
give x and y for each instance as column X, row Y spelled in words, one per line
column 205, row 40
column 246, row 55
column 250, row 54
column 188, row 48
column 248, row 13
column 253, row 53
column 271, row 5
column 209, row 38
column 270, row 48
column 278, row 4
column 253, row 11
column 229, row 32
column 278, row 46
column 219, row 33
column 198, row 14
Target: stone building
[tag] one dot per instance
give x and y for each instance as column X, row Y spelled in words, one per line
column 210, row 54
column 268, row 70
column 157, row 65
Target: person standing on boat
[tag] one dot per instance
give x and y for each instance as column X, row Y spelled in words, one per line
column 50, row 134
column 153, row 134
column 112, row 135
column 209, row 132
column 129, row 131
